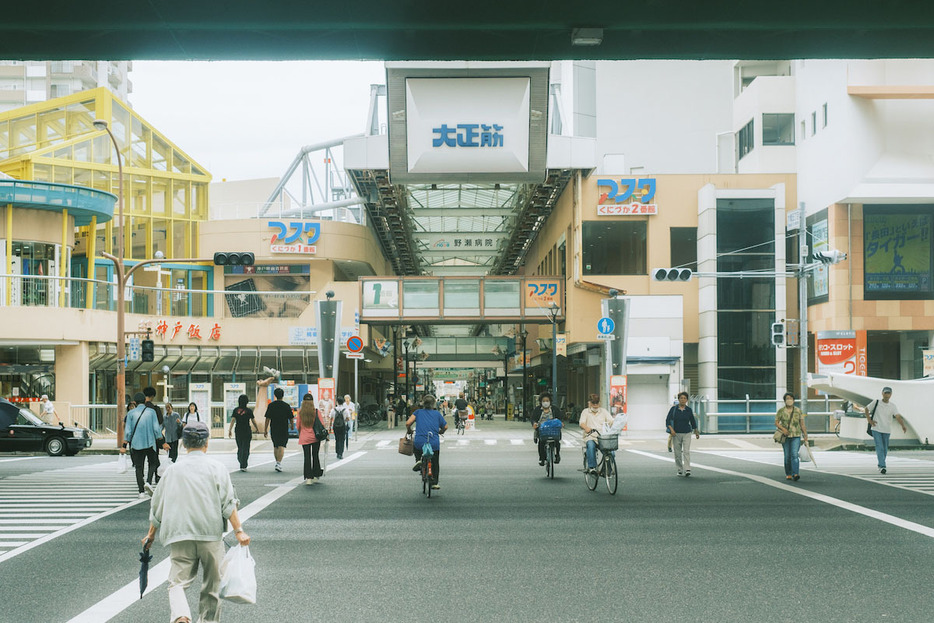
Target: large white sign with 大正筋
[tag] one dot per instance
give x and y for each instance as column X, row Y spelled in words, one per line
column 467, row 125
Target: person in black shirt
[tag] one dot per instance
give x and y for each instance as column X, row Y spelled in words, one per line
column 243, row 417
column 279, row 418
column 460, row 409
column 150, row 394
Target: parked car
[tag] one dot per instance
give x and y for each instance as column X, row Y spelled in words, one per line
column 21, row 430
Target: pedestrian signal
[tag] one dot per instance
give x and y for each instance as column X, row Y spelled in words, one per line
column 234, row 258
column 778, row 333
column 148, row 350
column 672, row 274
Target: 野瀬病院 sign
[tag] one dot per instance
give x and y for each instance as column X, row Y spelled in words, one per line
column 626, row 197
column 294, row 237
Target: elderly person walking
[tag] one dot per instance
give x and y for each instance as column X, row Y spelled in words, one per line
column 190, row 509
column 172, row 427
column 681, row 424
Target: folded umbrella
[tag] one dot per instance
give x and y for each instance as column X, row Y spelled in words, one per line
column 144, row 559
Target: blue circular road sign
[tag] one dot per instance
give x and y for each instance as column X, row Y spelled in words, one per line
column 606, row 325
column 354, row 344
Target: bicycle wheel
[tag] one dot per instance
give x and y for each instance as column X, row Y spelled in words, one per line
column 610, row 473
column 550, row 462
column 426, row 490
column 589, row 479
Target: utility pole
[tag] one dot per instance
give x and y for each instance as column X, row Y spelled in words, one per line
column 803, row 305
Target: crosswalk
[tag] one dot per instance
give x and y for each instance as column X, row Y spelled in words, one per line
column 460, row 442
column 902, row 472
column 37, row 507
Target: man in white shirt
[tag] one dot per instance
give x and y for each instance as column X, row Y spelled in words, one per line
column 350, row 418
column 47, row 411
column 880, row 414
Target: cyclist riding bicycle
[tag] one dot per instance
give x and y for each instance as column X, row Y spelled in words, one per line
column 427, row 420
column 460, row 409
column 592, row 421
column 545, row 411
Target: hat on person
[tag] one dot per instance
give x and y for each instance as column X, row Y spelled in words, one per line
column 139, row 398
column 44, row 397
column 196, row 430
column 886, row 390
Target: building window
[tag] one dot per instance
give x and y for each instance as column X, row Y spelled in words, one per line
column 745, row 140
column 813, row 123
column 614, row 248
column 824, row 110
column 778, row 129
column 804, row 131
column 684, row 247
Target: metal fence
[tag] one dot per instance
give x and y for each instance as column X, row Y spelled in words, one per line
column 79, row 293
column 758, row 416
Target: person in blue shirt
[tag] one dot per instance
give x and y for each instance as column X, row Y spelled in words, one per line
column 681, row 424
column 429, row 424
column 142, row 430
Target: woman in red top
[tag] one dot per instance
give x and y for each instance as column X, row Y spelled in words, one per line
column 307, row 439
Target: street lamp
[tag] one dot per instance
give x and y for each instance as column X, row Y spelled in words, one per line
column 100, row 124
column 553, row 311
column 525, row 375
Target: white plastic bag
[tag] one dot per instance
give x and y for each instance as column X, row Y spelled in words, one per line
column 160, row 471
column 123, row 464
column 238, row 576
column 619, row 423
column 803, row 454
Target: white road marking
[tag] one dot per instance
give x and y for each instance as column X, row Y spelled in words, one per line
column 742, row 443
column 21, row 458
column 820, row 497
column 517, row 442
column 123, row 598
column 490, row 442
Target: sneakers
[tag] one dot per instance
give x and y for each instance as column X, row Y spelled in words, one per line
column 680, row 473
column 309, row 481
column 435, row 487
column 242, row 469
column 143, row 495
column 417, row 467
column 881, row 470
column 541, row 463
column 796, row 477
column 669, row 449
column 787, row 477
column 340, row 457
column 687, row 473
column 591, row 470
column 557, row 459
column 278, row 467
column 148, row 489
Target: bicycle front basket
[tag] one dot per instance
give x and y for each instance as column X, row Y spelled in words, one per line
column 608, row 443
column 549, row 433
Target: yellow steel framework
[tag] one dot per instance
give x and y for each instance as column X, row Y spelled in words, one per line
column 165, row 191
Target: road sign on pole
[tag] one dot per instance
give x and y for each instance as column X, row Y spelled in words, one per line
column 606, row 325
column 355, row 344
column 354, row 355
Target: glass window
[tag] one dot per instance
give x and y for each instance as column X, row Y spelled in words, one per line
column 160, row 195
column 139, row 199
column 79, row 118
column 684, row 247
column 161, row 154
column 745, row 139
column 614, row 247
column 824, row 110
column 778, row 129
column 461, row 297
column 501, row 298
column 181, row 239
column 420, row 298
column 736, row 383
column 745, row 224
column 813, row 123
column 180, row 198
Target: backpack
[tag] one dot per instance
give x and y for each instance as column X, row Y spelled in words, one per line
column 339, row 417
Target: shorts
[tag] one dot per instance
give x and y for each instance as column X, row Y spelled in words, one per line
column 280, row 439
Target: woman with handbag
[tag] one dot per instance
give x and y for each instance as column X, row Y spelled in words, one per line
column 311, row 432
column 789, row 423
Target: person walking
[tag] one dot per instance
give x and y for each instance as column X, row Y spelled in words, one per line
column 592, row 420
column 150, row 394
column 192, row 414
column 681, row 424
column 339, row 425
column 429, row 424
column 142, row 430
column 47, row 411
column 790, row 422
column 546, row 411
column 308, row 440
column 242, row 418
column 880, row 414
column 172, row 430
column 189, row 511
column 279, row 419
column 350, row 418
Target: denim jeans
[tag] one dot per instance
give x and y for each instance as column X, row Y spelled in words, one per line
column 591, row 454
column 882, row 446
column 791, row 446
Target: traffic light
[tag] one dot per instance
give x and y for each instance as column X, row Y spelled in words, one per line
column 830, row 256
column 672, row 274
column 778, row 334
column 234, row 258
column 149, row 350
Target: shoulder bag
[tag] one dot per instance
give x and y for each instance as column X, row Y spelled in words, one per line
column 872, row 416
column 779, row 436
column 406, row 446
column 321, row 433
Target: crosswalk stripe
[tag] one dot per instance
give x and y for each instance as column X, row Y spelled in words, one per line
column 516, row 442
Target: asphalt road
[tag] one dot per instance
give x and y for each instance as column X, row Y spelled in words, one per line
column 499, row 541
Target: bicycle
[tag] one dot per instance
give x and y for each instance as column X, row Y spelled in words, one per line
column 427, row 453
column 461, row 425
column 551, row 437
column 606, row 464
